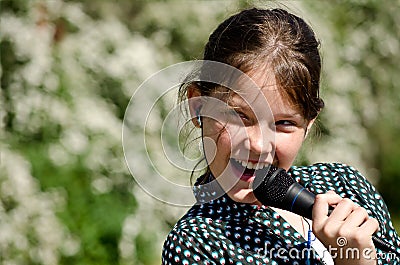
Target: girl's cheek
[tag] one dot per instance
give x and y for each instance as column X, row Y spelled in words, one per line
column 212, row 128
column 287, row 147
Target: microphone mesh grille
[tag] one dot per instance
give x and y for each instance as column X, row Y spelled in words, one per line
column 271, row 188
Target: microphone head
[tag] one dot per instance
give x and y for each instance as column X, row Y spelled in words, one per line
column 271, row 187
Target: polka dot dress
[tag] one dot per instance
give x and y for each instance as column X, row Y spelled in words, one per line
column 222, row 231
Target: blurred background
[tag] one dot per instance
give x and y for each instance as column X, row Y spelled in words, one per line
column 68, row 70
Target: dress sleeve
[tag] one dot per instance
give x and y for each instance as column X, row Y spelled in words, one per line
column 350, row 183
column 201, row 243
column 179, row 248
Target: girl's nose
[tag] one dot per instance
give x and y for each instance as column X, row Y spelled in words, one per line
column 259, row 140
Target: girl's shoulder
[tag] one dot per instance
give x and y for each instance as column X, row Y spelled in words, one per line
column 325, row 169
column 342, row 178
column 348, row 183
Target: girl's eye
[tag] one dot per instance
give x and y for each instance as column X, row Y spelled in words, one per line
column 285, row 123
column 242, row 115
column 238, row 114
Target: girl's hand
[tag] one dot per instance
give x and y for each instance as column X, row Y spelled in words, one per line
column 347, row 231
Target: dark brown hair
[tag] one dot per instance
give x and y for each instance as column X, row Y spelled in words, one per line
column 273, row 38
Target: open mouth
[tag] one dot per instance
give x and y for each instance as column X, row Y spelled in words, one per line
column 245, row 170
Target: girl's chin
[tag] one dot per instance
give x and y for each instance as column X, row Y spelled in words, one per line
column 242, row 195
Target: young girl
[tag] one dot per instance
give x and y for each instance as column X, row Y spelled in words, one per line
column 246, row 126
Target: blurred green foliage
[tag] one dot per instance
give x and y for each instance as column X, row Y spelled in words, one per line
column 366, row 35
column 77, row 162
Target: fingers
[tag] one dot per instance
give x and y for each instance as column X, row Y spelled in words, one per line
column 356, row 222
column 346, row 220
column 357, row 216
column 342, row 210
column 370, row 226
column 322, row 203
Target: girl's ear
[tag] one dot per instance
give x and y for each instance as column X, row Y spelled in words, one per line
column 195, row 103
column 309, row 126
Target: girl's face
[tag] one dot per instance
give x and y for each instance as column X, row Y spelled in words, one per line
column 244, row 135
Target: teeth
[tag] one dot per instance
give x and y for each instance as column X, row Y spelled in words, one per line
column 251, row 165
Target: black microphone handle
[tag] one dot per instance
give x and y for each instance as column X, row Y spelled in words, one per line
column 303, row 202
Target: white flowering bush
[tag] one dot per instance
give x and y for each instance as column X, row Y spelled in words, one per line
column 65, row 86
column 30, row 229
column 66, row 193
column 361, row 50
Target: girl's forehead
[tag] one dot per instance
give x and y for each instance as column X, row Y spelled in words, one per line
column 255, row 90
column 257, row 101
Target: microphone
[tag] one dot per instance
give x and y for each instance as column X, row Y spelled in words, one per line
column 277, row 189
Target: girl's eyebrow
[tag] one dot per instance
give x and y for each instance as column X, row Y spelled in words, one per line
column 289, row 115
column 236, row 101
